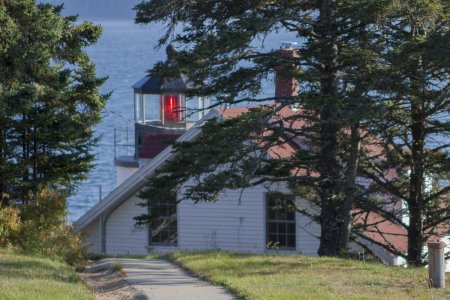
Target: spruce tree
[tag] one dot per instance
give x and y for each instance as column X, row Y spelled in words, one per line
column 217, row 53
column 49, row 99
column 415, row 129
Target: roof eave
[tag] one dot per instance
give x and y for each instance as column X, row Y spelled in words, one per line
column 138, row 179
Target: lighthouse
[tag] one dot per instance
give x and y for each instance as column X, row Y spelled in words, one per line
column 162, row 113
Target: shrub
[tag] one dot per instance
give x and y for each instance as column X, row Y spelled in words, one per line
column 9, row 225
column 44, row 229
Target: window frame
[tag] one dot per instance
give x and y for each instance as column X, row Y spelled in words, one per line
column 174, row 217
column 285, row 221
column 178, row 111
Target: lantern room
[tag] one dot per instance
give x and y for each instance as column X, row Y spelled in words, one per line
column 156, row 104
column 163, row 101
column 162, row 113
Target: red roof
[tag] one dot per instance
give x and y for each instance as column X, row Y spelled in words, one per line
column 385, row 232
column 289, row 146
column 233, row 112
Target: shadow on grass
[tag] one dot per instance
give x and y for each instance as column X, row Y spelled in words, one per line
column 241, row 265
column 26, row 268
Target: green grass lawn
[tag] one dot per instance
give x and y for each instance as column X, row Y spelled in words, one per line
column 301, row 277
column 29, row 277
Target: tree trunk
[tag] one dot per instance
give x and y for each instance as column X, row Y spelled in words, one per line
column 329, row 167
column 3, row 167
column 416, row 184
column 415, row 237
column 349, row 187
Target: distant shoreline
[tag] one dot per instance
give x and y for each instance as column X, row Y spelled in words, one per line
column 99, row 10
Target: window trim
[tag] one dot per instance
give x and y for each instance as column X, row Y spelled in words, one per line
column 267, row 220
column 150, row 231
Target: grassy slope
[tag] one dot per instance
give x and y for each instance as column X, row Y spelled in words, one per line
column 300, row 277
column 28, row 277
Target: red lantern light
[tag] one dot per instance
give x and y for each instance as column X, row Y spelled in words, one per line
column 173, row 108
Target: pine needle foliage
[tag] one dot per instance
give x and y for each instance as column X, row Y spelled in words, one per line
column 49, row 99
column 339, row 47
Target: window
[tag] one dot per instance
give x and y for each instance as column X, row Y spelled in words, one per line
column 204, row 104
column 173, row 108
column 192, row 109
column 280, row 224
column 151, row 103
column 138, row 107
column 163, row 214
column 196, row 108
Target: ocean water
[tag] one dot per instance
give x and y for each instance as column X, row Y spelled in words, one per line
column 124, row 53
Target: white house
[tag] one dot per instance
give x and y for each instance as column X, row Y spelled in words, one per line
column 244, row 222
column 247, row 222
column 236, row 222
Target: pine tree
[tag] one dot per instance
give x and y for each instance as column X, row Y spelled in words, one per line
column 219, row 57
column 415, row 84
column 49, row 99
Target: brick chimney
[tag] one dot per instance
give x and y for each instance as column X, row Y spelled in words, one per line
column 285, row 86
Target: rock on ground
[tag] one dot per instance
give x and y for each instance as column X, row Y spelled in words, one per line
column 109, row 284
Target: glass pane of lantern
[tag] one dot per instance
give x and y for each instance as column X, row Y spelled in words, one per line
column 192, row 106
column 151, row 103
column 173, row 108
column 137, row 107
column 204, row 104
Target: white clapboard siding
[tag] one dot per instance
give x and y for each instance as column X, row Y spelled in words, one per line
column 307, row 231
column 226, row 224
column 237, row 226
column 122, row 236
column 92, row 236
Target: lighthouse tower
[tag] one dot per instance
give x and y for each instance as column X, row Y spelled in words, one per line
column 162, row 113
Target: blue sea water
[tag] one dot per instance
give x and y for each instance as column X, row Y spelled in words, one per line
column 124, row 53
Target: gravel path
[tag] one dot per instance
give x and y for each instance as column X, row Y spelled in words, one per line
column 108, row 284
column 154, row 279
column 160, row 279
